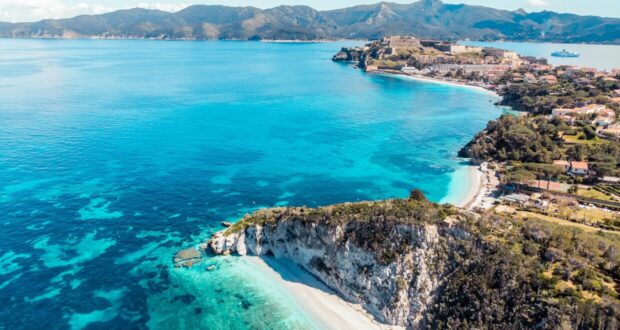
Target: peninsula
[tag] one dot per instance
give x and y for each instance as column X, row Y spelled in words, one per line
column 417, row 264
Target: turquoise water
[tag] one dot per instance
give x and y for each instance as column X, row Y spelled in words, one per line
column 116, row 154
column 602, row 57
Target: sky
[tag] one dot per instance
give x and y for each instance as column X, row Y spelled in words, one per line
column 33, row 10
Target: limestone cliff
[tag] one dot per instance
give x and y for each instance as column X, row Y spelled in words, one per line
column 420, row 265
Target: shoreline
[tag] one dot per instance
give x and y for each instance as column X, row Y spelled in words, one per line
column 487, row 186
column 436, row 81
column 323, row 306
column 474, row 186
column 482, row 180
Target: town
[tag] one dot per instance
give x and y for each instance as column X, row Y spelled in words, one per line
column 557, row 160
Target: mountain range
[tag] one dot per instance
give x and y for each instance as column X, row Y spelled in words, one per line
column 426, row 18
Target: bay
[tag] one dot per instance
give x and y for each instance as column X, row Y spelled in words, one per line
column 115, row 154
column 602, row 57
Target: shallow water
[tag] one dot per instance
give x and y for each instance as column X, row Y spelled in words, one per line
column 116, row 154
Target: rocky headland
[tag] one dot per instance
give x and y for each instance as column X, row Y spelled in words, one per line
column 422, row 265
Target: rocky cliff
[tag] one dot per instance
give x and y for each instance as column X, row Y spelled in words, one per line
column 396, row 289
column 422, row 265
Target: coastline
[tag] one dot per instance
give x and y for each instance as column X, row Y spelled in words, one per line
column 481, row 181
column 472, row 187
column 324, row 307
column 436, row 81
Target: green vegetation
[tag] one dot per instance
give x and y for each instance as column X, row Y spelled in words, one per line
column 536, row 139
column 593, row 193
column 499, row 271
column 423, row 18
column 568, row 92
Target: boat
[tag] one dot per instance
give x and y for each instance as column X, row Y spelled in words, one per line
column 565, row 53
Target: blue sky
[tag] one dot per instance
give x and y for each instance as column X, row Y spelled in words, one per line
column 29, row 10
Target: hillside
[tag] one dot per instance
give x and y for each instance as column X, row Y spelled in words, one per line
column 422, row 265
column 426, row 18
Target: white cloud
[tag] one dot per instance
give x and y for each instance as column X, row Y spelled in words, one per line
column 34, row 10
column 537, row 3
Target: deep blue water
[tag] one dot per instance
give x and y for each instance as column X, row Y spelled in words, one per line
column 116, row 154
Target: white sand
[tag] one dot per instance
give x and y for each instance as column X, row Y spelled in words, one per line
column 326, row 309
column 441, row 82
column 473, row 189
column 487, row 186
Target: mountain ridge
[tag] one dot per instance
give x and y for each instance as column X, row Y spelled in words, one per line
column 425, row 18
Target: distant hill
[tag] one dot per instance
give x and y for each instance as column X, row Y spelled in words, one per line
column 426, row 18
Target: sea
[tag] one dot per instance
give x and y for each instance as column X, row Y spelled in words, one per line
column 602, row 57
column 116, row 154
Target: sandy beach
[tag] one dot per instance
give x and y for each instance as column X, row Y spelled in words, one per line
column 484, row 189
column 325, row 307
column 473, row 189
column 437, row 81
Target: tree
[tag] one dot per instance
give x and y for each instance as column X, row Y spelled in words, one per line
column 417, row 195
column 589, row 131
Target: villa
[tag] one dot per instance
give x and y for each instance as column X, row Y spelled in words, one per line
column 612, row 131
column 585, row 110
column 573, row 167
column 579, row 168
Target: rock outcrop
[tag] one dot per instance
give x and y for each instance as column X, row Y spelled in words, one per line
column 187, row 258
column 417, row 264
column 396, row 283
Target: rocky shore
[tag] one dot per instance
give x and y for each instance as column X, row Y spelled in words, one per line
column 397, row 288
column 417, row 264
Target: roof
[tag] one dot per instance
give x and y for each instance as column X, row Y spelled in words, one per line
column 561, row 162
column 579, row 165
column 517, row 197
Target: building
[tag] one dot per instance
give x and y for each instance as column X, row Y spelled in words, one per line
column 500, row 53
column 579, row 168
column 529, row 78
column 563, row 112
column 611, row 131
column 549, row 79
column 585, row 110
column 575, row 168
column 482, row 69
column 564, row 164
column 605, row 118
column 603, row 121
column 451, row 48
column 410, row 70
column 617, row 93
column 535, row 60
column 516, row 199
column 396, row 42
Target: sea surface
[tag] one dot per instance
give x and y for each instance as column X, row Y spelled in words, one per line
column 114, row 155
column 602, row 57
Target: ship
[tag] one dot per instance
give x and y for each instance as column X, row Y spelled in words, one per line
column 565, row 53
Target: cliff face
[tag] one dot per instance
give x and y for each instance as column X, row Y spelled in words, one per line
column 422, row 265
column 397, row 289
